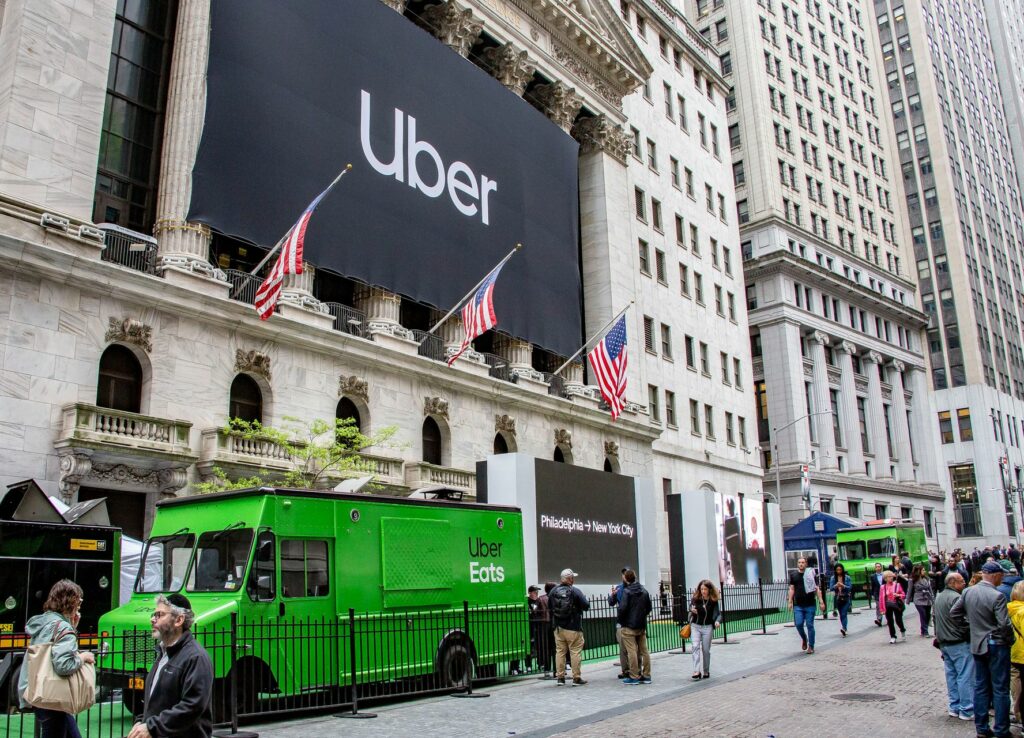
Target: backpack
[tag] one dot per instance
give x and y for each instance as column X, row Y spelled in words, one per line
column 560, row 602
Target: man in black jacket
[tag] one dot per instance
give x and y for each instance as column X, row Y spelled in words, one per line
column 180, row 685
column 567, row 605
column 634, row 607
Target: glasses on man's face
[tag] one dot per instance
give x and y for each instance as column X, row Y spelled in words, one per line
column 159, row 614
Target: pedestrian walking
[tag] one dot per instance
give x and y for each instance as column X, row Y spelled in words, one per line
column 893, row 601
column 1015, row 609
column 634, row 608
column 567, row 605
column 614, row 599
column 876, row 581
column 803, row 593
column 841, row 587
column 705, row 617
column 179, row 687
column 953, row 637
column 983, row 608
column 57, row 625
column 921, row 594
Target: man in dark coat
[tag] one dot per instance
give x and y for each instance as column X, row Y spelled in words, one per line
column 634, row 608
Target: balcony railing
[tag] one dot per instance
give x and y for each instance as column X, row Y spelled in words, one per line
column 243, row 285
column 89, row 425
column 499, row 368
column 431, row 345
column 347, row 319
column 421, row 474
column 386, row 469
column 130, row 249
column 226, row 448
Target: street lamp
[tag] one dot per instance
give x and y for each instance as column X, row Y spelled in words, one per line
column 775, row 443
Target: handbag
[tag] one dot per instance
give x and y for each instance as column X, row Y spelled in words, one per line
column 684, row 632
column 49, row 690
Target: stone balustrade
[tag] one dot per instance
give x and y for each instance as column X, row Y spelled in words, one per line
column 421, row 474
column 104, row 426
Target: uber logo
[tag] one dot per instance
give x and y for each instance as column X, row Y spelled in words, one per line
column 464, row 189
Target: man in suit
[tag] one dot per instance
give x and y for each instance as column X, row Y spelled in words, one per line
column 983, row 608
column 875, row 580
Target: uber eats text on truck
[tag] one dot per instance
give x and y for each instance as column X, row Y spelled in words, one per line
column 279, row 556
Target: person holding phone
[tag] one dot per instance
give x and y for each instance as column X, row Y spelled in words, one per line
column 841, row 587
column 803, row 592
column 705, row 617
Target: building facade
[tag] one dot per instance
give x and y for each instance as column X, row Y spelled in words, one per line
column 124, row 354
column 844, row 418
column 952, row 122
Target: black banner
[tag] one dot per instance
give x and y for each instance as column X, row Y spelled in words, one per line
column 450, row 168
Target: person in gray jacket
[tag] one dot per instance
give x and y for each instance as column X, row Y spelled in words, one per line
column 57, row 623
column 983, row 608
column 954, row 641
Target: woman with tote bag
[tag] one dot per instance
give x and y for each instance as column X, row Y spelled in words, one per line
column 53, row 635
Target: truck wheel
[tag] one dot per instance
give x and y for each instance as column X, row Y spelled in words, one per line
column 456, row 663
column 133, row 701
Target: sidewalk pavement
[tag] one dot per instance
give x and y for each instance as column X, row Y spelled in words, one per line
column 533, row 707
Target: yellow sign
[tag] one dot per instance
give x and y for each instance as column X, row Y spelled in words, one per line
column 136, row 683
column 84, row 544
column 6, row 627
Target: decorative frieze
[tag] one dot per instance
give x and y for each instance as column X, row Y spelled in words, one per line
column 435, row 406
column 353, row 387
column 581, row 70
column 510, row 66
column 453, row 25
column 559, row 102
column 129, row 330
column 252, row 362
column 600, row 134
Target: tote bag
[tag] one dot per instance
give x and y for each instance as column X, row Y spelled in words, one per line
column 47, row 689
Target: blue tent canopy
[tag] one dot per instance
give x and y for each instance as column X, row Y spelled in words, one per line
column 814, row 533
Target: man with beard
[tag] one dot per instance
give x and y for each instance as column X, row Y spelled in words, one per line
column 180, row 685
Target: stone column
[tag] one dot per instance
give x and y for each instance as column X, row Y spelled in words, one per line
column 559, row 102
column 924, row 433
column 383, row 311
column 519, row 355
column 184, row 248
column 784, row 384
column 901, row 430
column 453, row 25
column 827, row 459
column 297, row 301
column 876, row 415
column 848, row 400
column 510, row 66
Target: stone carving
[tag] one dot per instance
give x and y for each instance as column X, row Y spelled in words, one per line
column 563, row 437
column 874, row 357
column 252, row 362
column 74, row 468
column 600, row 134
column 510, row 66
column 611, row 448
column 353, row 387
column 453, row 25
column 821, row 338
column 191, row 264
column 581, row 70
column 559, row 102
column 847, row 348
column 505, row 424
column 124, row 474
column 129, row 330
column 435, row 406
column 897, row 366
column 169, row 481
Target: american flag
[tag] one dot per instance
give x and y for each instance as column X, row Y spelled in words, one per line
column 289, row 260
column 608, row 360
column 478, row 314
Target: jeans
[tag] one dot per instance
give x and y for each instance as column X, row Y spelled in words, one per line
column 56, row 724
column 992, row 687
column 804, row 617
column 844, row 613
column 924, row 613
column 568, row 642
column 700, row 638
column 959, row 666
column 634, row 640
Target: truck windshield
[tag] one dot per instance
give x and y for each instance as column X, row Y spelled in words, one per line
column 164, row 563
column 882, row 548
column 851, row 551
column 220, row 561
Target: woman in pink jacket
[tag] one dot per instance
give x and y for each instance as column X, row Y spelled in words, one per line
column 891, row 601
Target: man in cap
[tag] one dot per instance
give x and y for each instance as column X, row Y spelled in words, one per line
column 179, row 687
column 567, row 605
column 983, row 608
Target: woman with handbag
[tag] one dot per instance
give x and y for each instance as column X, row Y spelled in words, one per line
column 841, row 587
column 922, row 595
column 705, row 616
column 53, row 634
column 891, row 600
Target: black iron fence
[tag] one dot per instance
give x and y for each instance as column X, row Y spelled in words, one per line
column 292, row 665
column 128, row 248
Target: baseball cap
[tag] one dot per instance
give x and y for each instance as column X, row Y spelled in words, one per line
column 179, row 600
column 991, row 567
column 568, row 573
column 533, row 588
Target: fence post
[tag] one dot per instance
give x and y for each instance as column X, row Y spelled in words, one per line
column 469, row 657
column 725, row 626
column 353, row 671
column 760, row 595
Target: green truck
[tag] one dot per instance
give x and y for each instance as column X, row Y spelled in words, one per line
column 860, row 548
column 291, row 564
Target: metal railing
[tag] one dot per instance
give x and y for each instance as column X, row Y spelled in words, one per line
column 498, row 367
column 243, row 285
column 130, row 249
column 556, row 385
column 431, row 345
column 347, row 319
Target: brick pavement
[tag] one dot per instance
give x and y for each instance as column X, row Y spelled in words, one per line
column 761, row 686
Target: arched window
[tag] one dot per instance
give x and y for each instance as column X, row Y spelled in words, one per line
column 559, row 456
column 246, row 399
column 120, row 381
column 431, row 442
column 608, row 465
column 500, row 444
column 347, row 409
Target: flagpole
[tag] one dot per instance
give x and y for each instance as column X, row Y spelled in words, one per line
column 277, row 246
column 591, row 339
column 469, row 294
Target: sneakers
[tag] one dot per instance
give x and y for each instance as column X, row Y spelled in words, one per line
column 579, row 682
column 842, row 632
column 645, row 680
column 622, row 676
column 892, row 640
column 560, row 682
column 630, row 681
column 954, row 713
column 966, row 716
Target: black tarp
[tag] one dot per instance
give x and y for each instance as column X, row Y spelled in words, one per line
column 286, row 84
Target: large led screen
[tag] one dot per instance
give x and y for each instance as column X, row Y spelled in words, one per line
column 450, row 168
column 586, row 520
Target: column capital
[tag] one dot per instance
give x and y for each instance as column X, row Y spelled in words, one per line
column 600, row 134
column 898, row 365
column 559, row 102
column 874, row 357
column 847, row 347
column 821, row 338
column 453, row 25
column 510, row 66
